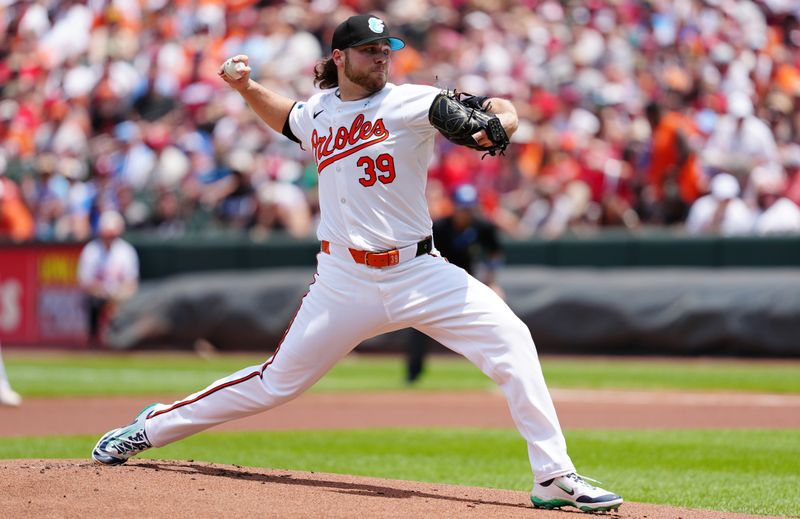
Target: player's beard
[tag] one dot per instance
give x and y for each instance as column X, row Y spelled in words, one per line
column 371, row 81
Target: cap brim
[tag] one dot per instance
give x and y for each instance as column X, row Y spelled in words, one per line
column 394, row 43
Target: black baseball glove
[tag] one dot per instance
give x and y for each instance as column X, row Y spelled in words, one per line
column 459, row 119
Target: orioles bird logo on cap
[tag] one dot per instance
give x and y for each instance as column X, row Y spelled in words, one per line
column 376, row 25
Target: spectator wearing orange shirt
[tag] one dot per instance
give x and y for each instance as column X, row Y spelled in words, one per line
column 16, row 222
column 674, row 177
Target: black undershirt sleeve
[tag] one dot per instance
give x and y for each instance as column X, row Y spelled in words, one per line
column 287, row 131
column 475, row 102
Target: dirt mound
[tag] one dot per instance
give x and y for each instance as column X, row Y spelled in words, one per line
column 155, row 488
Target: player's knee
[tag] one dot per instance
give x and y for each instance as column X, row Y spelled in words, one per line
column 501, row 373
column 519, row 333
column 277, row 392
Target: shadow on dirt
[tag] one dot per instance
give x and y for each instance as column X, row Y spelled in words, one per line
column 332, row 486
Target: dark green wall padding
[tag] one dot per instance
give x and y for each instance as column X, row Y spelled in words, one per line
column 160, row 258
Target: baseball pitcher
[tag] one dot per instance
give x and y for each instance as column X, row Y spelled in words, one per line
column 378, row 269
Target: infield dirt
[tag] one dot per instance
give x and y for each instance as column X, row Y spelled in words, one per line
column 576, row 409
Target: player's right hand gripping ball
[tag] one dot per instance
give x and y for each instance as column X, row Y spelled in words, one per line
column 234, row 69
column 458, row 120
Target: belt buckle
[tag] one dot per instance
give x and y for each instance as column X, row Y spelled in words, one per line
column 382, row 259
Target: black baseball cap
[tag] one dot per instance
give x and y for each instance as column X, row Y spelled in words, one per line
column 361, row 29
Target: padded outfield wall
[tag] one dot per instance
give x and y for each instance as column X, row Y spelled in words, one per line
column 615, row 250
column 612, row 293
column 655, row 294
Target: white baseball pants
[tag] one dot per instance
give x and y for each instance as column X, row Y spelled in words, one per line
column 348, row 303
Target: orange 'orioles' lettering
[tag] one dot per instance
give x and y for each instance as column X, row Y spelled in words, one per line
column 360, row 135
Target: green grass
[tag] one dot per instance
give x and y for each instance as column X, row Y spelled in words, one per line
column 747, row 471
column 158, row 374
column 698, row 375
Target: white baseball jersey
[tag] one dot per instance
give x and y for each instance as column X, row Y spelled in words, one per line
column 372, row 158
column 112, row 268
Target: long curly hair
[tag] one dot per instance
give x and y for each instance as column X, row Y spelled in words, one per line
column 325, row 74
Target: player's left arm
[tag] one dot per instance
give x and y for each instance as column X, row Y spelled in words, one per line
column 505, row 111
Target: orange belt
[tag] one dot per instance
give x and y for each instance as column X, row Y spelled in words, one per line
column 381, row 259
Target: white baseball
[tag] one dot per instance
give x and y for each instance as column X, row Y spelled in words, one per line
column 234, row 69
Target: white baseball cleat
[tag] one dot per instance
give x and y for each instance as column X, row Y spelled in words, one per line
column 8, row 396
column 116, row 446
column 573, row 490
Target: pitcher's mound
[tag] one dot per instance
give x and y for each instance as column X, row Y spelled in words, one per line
column 173, row 489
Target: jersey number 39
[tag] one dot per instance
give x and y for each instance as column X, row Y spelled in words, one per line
column 385, row 169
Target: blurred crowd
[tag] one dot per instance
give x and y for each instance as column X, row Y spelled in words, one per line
column 634, row 113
